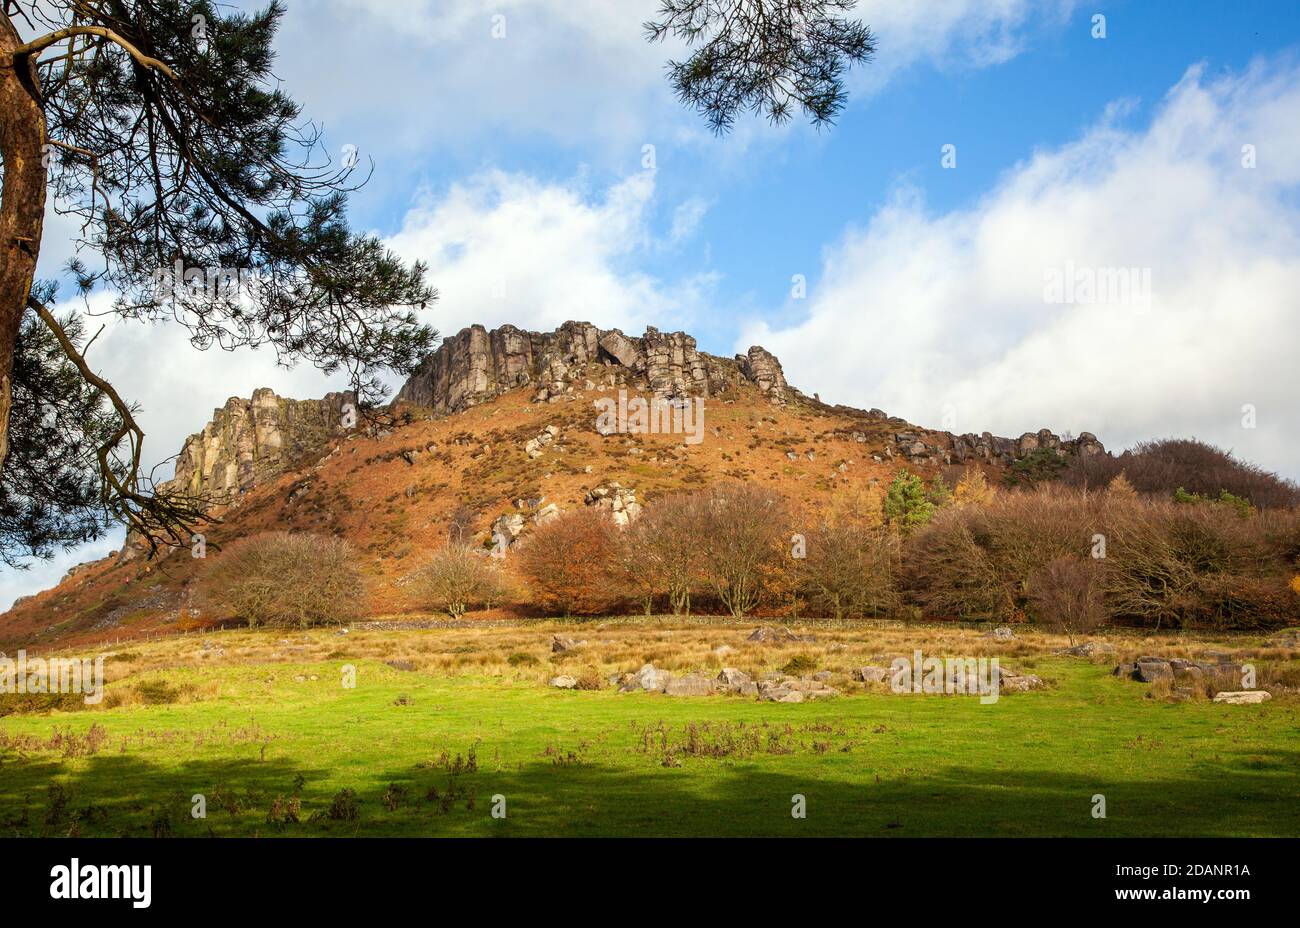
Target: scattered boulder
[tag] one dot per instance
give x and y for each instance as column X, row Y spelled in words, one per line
column 1089, row 648
column 1011, row 681
column 1001, row 633
column 564, row 682
column 1151, row 669
column 690, row 684
column 768, row 634
column 546, row 514
column 731, row 680
column 560, row 644
column 507, row 529
column 1243, row 697
column 536, row 447
column 872, row 674
column 782, row 688
column 649, row 678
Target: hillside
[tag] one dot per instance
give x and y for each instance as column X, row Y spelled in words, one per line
column 501, row 425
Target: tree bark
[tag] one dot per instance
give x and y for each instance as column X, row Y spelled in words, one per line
column 22, row 203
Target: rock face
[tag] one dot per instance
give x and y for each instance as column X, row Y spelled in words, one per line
column 919, row 447
column 251, row 441
column 762, row 367
column 476, row 365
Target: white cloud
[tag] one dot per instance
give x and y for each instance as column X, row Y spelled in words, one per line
column 952, row 34
column 507, row 248
column 403, row 78
column 919, row 310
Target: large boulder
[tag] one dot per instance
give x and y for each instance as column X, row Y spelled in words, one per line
column 731, row 680
column 1151, row 669
column 872, row 674
column 1089, row 648
column 690, row 684
column 649, row 678
column 561, row 644
column 1243, row 697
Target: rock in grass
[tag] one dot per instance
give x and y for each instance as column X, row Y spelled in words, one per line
column 732, row 680
column 1243, row 697
column 872, row 674
column 1089, row 648
column 1149, row 670
column 777, row 634
column 691, row 684
column 789, row 689
column 1012, row 682
column 560, row 644
column 564, row 682
column 649, row 678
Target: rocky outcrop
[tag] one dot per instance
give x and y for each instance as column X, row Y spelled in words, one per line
column 925, row 447
column 619, row 500
column 762, row 367
column 251, row 441
column 476, row 365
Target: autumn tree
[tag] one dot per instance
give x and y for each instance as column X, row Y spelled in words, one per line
column 457, row 577
column 202, row 200
column 1066, row 595
column 285, row 580
column 570, row 563
column 850, row 568
column 662, row 551
column 743, row 531
column 972, row 489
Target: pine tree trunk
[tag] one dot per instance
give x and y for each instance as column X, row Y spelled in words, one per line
column 22, row 206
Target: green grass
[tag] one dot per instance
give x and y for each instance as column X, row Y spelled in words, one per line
column 600, row 763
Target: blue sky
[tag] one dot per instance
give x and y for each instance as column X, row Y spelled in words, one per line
column 515, row 167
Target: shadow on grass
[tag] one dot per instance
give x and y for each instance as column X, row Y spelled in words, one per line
column 125, row 796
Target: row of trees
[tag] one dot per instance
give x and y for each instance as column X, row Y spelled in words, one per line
column 1055, row 555
column 1060, row 556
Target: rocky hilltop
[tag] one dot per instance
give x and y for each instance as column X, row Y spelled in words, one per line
column 476, row 365
column 496, row 432
column 251, row 441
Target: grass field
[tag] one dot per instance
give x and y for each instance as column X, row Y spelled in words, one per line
column 260, row 724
